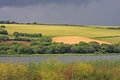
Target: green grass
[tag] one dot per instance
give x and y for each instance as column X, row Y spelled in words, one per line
column 111, row 39
column 59, row 30
column 29, row 55
column 54, row 55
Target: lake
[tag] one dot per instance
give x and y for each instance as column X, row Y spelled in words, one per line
column 66, row 59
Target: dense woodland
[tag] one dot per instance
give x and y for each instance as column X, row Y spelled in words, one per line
column 7, row 22
column 40, row 44
column 44, row 45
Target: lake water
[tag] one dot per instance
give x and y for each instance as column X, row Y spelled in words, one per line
column 65, row 59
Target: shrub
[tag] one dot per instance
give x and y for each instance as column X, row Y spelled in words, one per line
column 27, row 34
column 4, row 38
column 22, row 39
column 45, row 39
column 4, row 32
column 16, row 34
column 50, row 70
column 82, row 70
column 58, row 48
column 95, row 45
column 10, row 71
column 107, row 48
column 24, row 50
column 82, row 47
column 55, row 70
column 117, row 48
column 2, row 26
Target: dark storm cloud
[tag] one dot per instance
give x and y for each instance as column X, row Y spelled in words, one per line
column 88, row 12
column 13, row 3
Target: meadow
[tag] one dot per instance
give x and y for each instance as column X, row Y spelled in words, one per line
column 55, row 70
column 97, row 32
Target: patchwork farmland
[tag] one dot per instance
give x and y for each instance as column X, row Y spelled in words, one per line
column 102, row 33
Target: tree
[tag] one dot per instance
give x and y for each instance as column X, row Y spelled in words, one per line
column 34, row 22
column 117, row 48
column 58, row 48
column 7, row 22
column 75, row 49
column 2, row 26
column 82, row 47
column 107, row 48
column 37, row 49
column 16, row 34
column 13, row 22
column 95, row 45
column 83, row 43
column 45, row 39
column 24, row 50
column 4, row 32
column 2, row 22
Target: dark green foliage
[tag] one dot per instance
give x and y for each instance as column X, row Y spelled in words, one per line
column 117, row 48
column 24, row 50
column 58, row 48
column 95, row 45
column 33, row 43
column 34, row 22
column 13, row 22
column 3, row 32
column 82, row 47
column 7, row 22
column 15, row 48
column 107, row 48
column 39, row 49
column 45, row 46
column 16, row 34
column 36, row 49
column 117, row 28
column 75, row 49
column 22, row 39
column 4, row 47
column 2, row 22
column 45, row 39
column 2, row 26
column 4, row 38
column 18, row 38
column 27, row 34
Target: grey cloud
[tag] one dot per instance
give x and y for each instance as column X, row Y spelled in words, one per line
column 105, row 12
column 4, row 3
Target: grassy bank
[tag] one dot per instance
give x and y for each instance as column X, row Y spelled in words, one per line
column 70, row 54
column 55, row 70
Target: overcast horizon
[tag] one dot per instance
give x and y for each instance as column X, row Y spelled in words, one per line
column 76, row 12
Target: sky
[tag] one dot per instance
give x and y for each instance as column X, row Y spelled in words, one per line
column 77, row 12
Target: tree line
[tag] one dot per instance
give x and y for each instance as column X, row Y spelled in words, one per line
column 7, row 22
column 45, row 46
column 14, row 22
column 17, row 34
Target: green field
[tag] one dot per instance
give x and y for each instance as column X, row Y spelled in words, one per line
column 104, row 34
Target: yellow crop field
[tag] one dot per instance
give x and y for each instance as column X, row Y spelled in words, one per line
column 104, row 34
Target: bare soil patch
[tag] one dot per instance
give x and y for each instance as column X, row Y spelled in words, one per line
column 76, row 39
column 10, row 42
